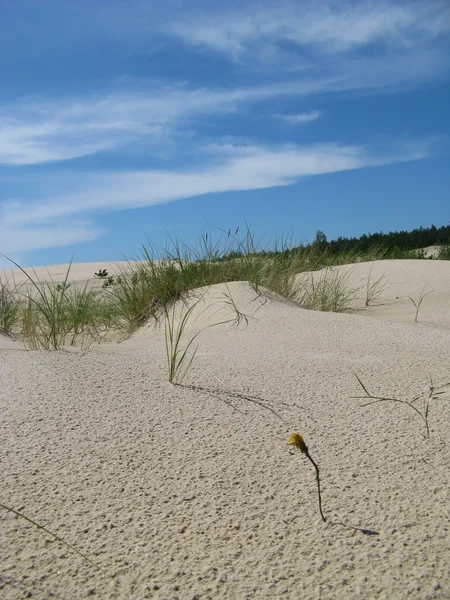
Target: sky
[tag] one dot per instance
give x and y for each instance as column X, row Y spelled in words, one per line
column 125, row 122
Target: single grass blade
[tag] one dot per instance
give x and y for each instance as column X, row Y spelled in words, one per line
column 22, row 516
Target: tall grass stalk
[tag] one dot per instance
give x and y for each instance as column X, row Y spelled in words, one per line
column 53, row 313
column 180, row 350
column 374, row 288
column 418, row 303
column 50, row 321
column 9, row 308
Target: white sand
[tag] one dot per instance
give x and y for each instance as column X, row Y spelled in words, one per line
column 79, row 272
column 182, row 493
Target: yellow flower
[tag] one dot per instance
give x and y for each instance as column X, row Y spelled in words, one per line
column 297, row 440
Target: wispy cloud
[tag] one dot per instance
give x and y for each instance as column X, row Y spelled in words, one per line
column 359, row 45
column 301, row 118
column 26, row 224
column 304, row 48
column 287, row 54
column 34, row 131
column 327, row 27
column 21, row 238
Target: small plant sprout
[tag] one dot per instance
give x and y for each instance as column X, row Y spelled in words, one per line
column 423, row 412
column 62, row 287
column 102, row 273
column 298, row 442
column 374, row 288
column 418, row 303
column 59, row 539
column 109, row 282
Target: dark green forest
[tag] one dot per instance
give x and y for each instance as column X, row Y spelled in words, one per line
column 395, row 244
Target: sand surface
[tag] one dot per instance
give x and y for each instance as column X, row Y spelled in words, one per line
column 192, row 492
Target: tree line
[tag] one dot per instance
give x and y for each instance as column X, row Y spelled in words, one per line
column 401, row 240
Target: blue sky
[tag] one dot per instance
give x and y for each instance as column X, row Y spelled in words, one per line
column 121, row 121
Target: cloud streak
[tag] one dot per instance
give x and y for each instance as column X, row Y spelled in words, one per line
column 301, row 118
column 25, row 224
column 291, row 56
column 303, row 49
column 36, row 131
column 326, row 27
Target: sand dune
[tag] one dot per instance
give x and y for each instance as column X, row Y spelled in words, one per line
column 79, row 272
column 191, row 491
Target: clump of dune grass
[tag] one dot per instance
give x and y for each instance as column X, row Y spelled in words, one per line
column 174, row 329
column 9, row 307
column 326, row 290
column 135, row 296
column 424, row 398
column 161, row 277
column 180, row 349
column 298, row 442
column 86, row 314
column 52, row 314
column 45, row 319
column 374, row 288
column 444, row 253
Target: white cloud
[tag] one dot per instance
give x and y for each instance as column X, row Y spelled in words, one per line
column 297, row 48
column 301, row 48
column 20, row 238
column 34, row 131
column 380, row 45
column 326, row 26
column 301, row 118
column 32, row 223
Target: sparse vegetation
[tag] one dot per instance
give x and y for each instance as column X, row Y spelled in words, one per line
column 56, row 537
column 418, row 302
column 52, row 314
column 374, row 288
column 9, row 308
column 423, row 412
column 49, row 314
column 298, row 442
column 327, row 290
column 180, row 350
column 101, row 273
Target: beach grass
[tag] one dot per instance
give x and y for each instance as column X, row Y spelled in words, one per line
column 52, row 314
column 9, row 307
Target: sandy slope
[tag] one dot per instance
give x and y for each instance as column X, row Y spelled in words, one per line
column 192, row 492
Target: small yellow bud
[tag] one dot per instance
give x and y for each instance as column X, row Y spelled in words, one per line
column 297, row 440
